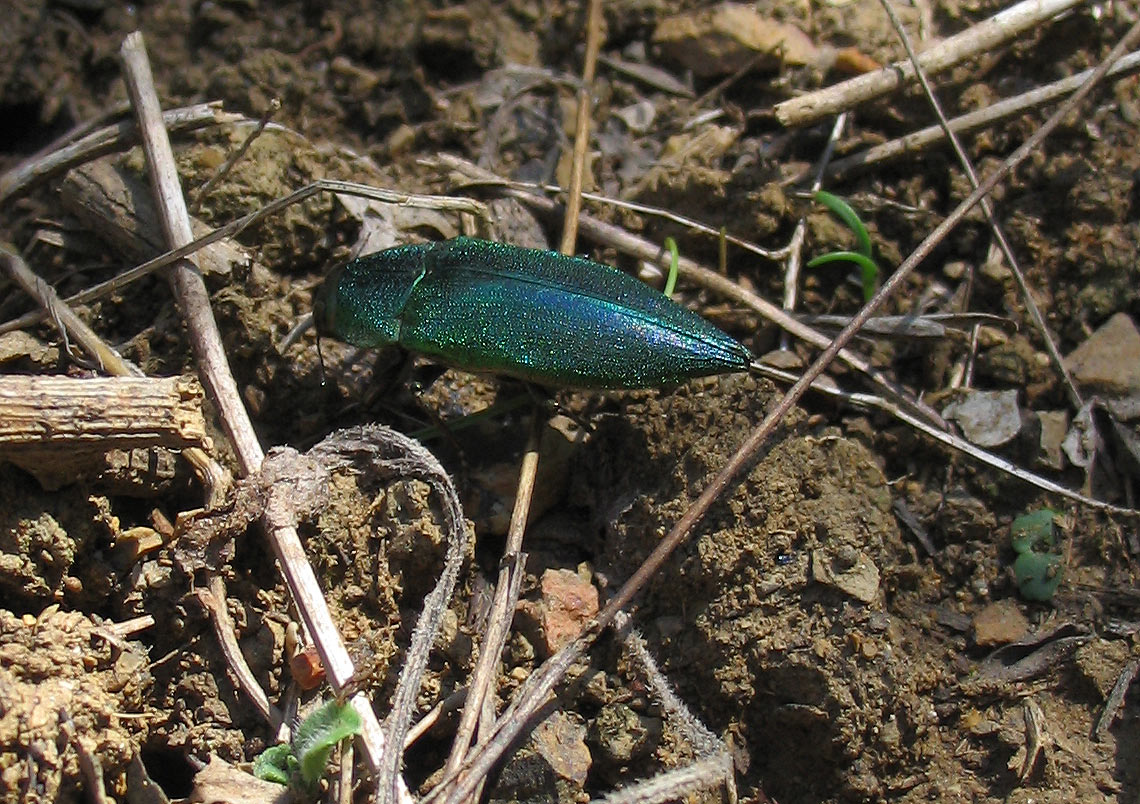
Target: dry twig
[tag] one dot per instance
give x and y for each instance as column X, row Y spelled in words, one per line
column 542, row 682
column 67, row 413
column 213, row 600
column 234, row 227
column 193, row 301
column 988, row 211
column 981, row 38
column 213, row 476
column 509, row 581
column 104, row 141
column 920, row 140
column 1115, row 698
column 88, row 761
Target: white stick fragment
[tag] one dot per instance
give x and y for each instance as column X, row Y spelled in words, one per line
column 213, row 367
column 983, row 37
column 924, row 138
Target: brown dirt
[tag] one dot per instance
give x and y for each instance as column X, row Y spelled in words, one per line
column 801, row 621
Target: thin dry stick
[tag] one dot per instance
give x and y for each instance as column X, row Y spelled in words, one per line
column 949, row 439
column 214, row 477
column 213, row 600
column 234, row 227
column 502, row 605
column 64, row 414
column 582, row 127
column 104, row 141
column 981, row 38
column 66, row 321
column 223, row 171
column 444, row 707
column 991, row 218
column 541, row 683
column 1115, row 698
column 719, row 234
column 632, row 206
column 507, row 587
column 193, row 300
column 81, row 130
column 126, row 628
column 924, row 138
column 676, row 785
column 88, row 760
column 186, row 282
column 795, row 245
column 344, row 781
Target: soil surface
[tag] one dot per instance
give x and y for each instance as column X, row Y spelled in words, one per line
column 847, row 616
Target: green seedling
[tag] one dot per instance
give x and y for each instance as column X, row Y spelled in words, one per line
column 1037, row 569
column 863, row 257
column 1038, row 575
column 301, row 763
column 1034, row 531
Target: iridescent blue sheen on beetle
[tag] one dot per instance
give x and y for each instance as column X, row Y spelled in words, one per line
column 537, row 315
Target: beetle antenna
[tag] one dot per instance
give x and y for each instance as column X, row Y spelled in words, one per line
column 321, row 361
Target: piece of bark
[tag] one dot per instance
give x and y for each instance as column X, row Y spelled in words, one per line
column 58, row 428
column 116, row 205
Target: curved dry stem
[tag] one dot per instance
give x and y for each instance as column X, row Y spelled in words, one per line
column 534, row 692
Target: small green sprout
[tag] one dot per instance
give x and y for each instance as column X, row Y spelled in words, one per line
column 302, row 762
column 863, row 257
column 1033, row 531
column 1037, row 570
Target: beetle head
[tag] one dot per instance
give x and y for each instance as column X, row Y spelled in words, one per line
column 362, row 302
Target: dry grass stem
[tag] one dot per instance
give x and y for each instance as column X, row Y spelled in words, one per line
column 224, row 169
column 503, row 603
column 1115, row 698
column 115, row 205
column 110, row 412
column 924, row 138
column 214, row 477
column 799, row 234
column 70, row 326
column 107, row 140
column 234, row 227
column 675, row 785
column 491, row 180
column 582, row 127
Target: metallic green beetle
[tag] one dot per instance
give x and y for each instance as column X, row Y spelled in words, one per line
column 537, row 315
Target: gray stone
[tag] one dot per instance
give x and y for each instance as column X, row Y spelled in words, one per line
column 987, row 418
column 1108, row 362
